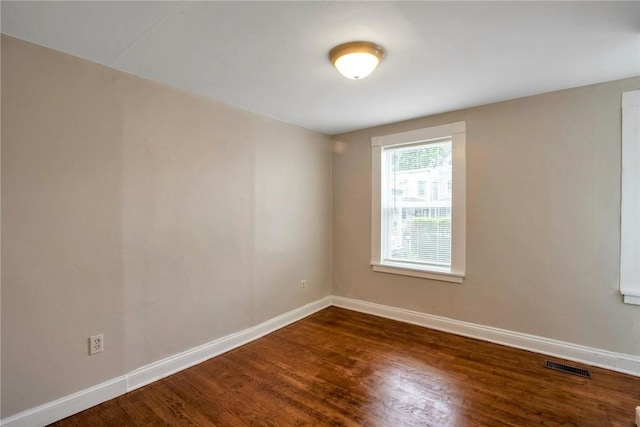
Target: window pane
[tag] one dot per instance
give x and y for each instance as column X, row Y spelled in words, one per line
column 416, row 203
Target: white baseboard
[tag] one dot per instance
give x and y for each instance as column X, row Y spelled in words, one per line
column 619, row 362
column 68, row 405
column 172, row 364
column 85, row 399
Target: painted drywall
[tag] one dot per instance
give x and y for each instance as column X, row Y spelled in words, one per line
column 543, row 220
column 61, row 225
column 156, row 217
column 0, row 233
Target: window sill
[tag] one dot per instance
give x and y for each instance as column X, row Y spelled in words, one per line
column 442, row 275
column 631, row 299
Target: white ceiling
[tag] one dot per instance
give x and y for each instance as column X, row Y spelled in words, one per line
column 271, row 57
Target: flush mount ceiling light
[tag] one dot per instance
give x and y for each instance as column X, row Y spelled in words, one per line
column 356, row 60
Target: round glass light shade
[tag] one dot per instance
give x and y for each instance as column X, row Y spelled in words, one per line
column 356, row 60
column 356, row 65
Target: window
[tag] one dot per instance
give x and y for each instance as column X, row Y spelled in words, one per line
column 630, row 210
column 422, row 188
column 419, row 233
column 434, row 185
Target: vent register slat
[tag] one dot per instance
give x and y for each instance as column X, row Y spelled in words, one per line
column 567, row 369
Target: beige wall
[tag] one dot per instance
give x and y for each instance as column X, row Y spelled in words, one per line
column 61, row 225
column 158, row 218
column 543, row 215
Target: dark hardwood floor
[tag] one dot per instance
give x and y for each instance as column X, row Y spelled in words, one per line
column 342, row 368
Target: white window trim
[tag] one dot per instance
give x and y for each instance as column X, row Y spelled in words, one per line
column 630, row 199
column 457, row 132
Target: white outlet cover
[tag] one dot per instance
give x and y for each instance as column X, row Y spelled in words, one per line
column 96, row 344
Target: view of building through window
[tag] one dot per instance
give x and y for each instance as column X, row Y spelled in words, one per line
column 417, row 203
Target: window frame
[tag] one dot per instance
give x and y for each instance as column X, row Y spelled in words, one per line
column 457, row 133
column 630, row 199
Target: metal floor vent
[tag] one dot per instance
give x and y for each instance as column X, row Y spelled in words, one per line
column 567, row 369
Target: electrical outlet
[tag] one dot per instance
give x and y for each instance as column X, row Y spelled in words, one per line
column 303, row 285
column 96, row 344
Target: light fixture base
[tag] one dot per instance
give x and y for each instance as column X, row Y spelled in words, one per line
column 356, row 60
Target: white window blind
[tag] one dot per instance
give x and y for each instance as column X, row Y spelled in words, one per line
column 416, row 226
column 630, row 210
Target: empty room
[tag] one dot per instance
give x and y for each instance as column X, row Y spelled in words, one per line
column 320, row 213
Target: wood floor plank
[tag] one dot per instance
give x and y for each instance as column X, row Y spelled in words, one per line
column 342, row 368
